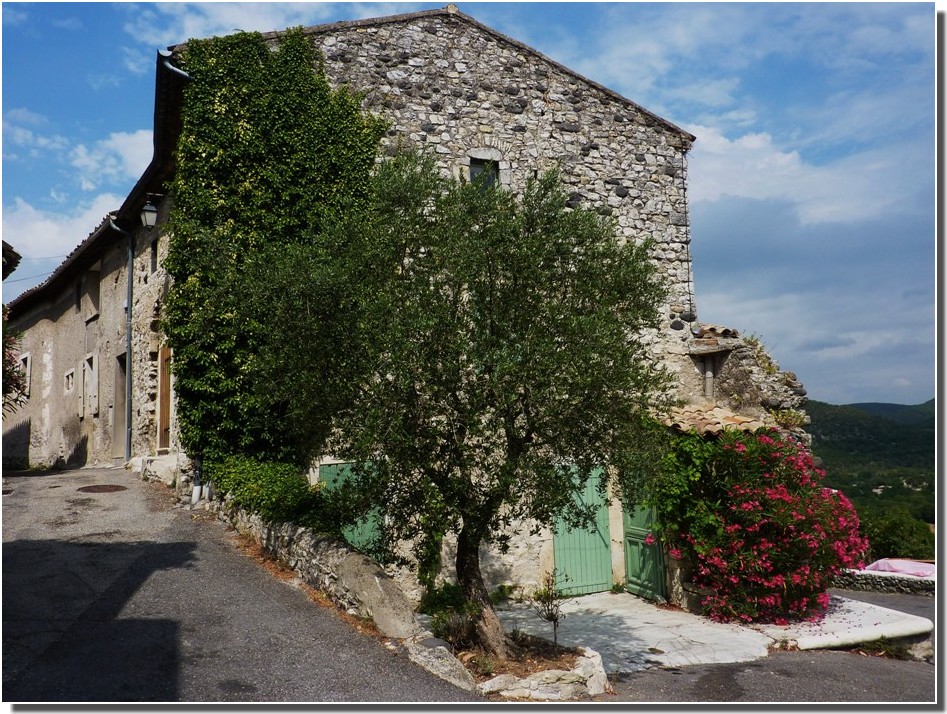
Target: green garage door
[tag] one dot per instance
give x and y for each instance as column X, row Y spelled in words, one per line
column 644, row 564
column 360, row 535
column 583, row 557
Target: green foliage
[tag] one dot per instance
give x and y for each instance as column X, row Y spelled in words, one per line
column 763, row 358
column 14, row 381
column 453, row 616
column 458, row 627
column 507, row 337
column 267, row 154
column 483, row 341
column 502, row 593
column 447, row 596
column 789, row 418
column 547, row 601
column 507, row 334
column 895, row 533
column 279, row 492
column 880, row 455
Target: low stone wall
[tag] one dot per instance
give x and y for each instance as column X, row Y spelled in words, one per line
column 876, row 582
column 353, row 581
column 586, row 678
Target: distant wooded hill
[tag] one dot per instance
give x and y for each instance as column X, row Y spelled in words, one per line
column 879, row 455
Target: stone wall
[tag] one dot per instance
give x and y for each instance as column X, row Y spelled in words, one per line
column 865, row 580
column 75, row 337
column 750, row 381
column 353, row 581
column 150, row 288
column 462, row 91
column 358, row 585
column 527, row 558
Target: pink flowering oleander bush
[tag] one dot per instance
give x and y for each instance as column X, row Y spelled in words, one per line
column 763, row 536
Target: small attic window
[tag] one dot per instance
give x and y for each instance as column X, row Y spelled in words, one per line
column 490, row 170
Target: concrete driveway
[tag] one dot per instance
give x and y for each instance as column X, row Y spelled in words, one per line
column 112, row 594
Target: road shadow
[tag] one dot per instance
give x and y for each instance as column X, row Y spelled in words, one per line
column 64, row 637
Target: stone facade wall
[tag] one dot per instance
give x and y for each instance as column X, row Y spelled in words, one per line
column 75, row 340
column 463, row 91
column 151, row 286
column 523, row 565
column 749, row 381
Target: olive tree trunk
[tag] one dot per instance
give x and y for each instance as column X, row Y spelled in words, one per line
column 490, row 633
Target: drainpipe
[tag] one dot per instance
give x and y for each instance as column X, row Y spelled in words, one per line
column 709, row 377
column 167, row 63
column 128, row 337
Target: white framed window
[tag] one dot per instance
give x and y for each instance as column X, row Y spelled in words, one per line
column 69, row 381
column 26, row 366
column 89, row 392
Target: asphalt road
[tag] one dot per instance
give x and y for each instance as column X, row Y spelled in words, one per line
column 824, row 676
column 120, row 597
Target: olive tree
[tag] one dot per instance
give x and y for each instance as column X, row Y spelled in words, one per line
column 498, row 343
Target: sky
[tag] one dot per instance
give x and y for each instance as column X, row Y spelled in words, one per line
column 811, row 185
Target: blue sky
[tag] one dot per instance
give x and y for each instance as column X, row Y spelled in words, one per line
column 811, row 184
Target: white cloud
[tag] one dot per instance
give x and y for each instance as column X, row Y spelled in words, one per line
column 13, row 15
column 137, row 61
column 35, row 233
column 165, row 24
column 103, row 80
column 71, row 24
column 844, row 348
column 861, row 185
column 120, row 157
column 43, row 238
column 712, row 93
column 20, row 127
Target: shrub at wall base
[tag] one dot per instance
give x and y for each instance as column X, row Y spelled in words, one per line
column 762, row 536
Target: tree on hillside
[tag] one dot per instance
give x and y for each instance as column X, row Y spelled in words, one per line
column 499, row 345
column 267, row 153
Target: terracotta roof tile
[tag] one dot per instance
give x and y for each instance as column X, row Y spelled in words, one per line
column 709, row 418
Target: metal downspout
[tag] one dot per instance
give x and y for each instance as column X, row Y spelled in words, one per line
column 128, row 338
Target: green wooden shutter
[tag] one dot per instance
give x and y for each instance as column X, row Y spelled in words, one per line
column 583, row 557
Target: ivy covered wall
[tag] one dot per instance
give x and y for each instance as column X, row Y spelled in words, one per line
column 268, row 152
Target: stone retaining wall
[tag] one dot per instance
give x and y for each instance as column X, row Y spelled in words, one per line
column 353, row 581
column 360, row 586
column 864, row 580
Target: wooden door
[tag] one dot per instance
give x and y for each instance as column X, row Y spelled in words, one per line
column 583, row 556
column 644, row 563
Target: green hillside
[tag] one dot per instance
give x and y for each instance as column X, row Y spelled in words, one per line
column 880, row 455
column 911, row 415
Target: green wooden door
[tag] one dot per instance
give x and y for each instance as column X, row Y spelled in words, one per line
column 583, row 557
column 644, row 564
column 361, row 534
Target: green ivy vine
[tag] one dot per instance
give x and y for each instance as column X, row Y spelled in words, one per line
column 268, row 153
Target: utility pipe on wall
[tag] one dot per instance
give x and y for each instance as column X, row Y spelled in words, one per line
column 709, row 377
column 128, row 337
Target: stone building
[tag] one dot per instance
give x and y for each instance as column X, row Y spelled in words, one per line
column 480, row 101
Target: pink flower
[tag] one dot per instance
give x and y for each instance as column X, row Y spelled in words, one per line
column 649, row 539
